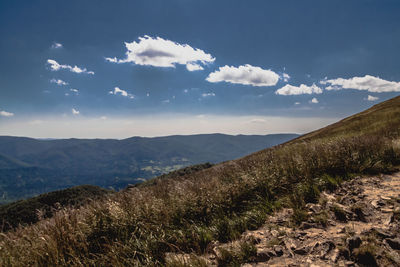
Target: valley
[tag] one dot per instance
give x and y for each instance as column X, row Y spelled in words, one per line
column 29, row 167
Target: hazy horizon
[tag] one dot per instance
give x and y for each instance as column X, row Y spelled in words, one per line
column 121, row 128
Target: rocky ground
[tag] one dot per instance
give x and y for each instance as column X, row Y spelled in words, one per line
column 357, row 225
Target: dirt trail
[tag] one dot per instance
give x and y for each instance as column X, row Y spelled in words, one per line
column 357, row 225
column 361, row 217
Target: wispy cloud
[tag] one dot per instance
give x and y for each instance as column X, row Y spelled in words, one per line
column 56, row 45
column 119, row 91
column 159, row 52
column 285, row 77
column 298, row 90
column 55, row 66
column 245, row 74
column 372, row 98
column 75, row 112
column 76, row 91
column 367, row 83
column 58, row 82
column 4, row 113
column 207, row 94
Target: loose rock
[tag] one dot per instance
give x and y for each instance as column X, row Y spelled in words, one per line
column 394, row 243
column 353, row 242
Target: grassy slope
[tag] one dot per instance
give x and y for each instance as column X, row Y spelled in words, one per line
column 186, row 213
column 374, row 120
column 26, row 211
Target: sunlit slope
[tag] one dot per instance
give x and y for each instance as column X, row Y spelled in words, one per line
column 381, row 119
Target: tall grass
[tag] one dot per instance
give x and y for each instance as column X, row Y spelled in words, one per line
column 186, row 213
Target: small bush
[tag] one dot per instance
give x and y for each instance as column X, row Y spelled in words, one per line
column 329, row 183
column 365, row 255
column 191, row 261
column 340, row 214
column 321, row 218
column 236, row 257
column 299, row 216
column 310, row 193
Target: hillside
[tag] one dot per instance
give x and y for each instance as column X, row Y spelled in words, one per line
column 44, row 206
column 41, row 166
column 193, row 214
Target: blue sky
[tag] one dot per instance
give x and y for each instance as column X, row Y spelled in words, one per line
column 122, row 68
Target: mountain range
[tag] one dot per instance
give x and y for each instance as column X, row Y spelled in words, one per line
column 29, row 167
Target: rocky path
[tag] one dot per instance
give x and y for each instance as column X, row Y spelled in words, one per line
column 357, row 225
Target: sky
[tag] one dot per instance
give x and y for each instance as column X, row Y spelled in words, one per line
column 122, row 68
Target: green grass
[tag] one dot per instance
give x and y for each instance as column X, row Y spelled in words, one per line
column 246, row 252
column 184, row 214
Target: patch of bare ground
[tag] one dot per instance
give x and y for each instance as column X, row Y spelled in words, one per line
column 356, row 225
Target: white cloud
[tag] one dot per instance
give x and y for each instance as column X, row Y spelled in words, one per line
column 297, row 103
column 4, row 113
column 117, row 90
column 314, row 101
column 245, row 74
column 165, row 101
column 55, row 66
column 372, row 98
column 76, row 91
column 103, row 117
column 75, row 112
column 207, row 94
column 159, row 52
column 193, row 67
column 111, row 59
column 285, row 77
column 58, row 82
column 56, row 45
column 368, row 83
column 298, row 90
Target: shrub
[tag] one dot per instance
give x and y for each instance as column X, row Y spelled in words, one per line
column 340, row 214
column 365, row 255
column 246, row 252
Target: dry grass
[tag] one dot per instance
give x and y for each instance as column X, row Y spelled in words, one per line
column 184, row 214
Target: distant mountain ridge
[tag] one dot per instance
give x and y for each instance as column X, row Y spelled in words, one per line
column 30, row 166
